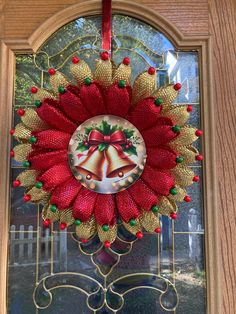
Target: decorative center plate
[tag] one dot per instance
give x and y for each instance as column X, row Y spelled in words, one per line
column 107, row 154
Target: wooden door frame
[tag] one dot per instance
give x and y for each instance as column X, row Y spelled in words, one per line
column 10, row 47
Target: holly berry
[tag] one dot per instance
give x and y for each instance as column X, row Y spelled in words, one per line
column 126, row 61
column 20, row 112
column 196, row 178
column 63, row 225
column 199, row 133
column 177, row 86
column 46, row 223
column 16, row 183
column 199, row 157
column 151, row 71
column 190, row 108
column 104, row 55
column 51, row 71
column 34, row 90
column 75, row 59
column 173, row 216
column 187, row 198
column 26, row 198
column 158, row 230
column 12, row 131
column 139, row 235
column 107, row 244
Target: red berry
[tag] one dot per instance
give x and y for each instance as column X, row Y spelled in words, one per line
column 199, row 132
column 126, row 61
column 104, row 55
column 12, row 131
column 86, row 143
column 107, row 244
column 27, row 198
column 139, row 235
column 151, row 70
column 196, row 178
column 127, row 146
column 63, row 225
column 177, row 86
column 12, row 154
column 84, row 240
column 158, row 230
column 20, row 112
column 46, row 223
column 187, row 198
column 190, row 108
column 199, row 157
column 51, row 71
column 34, row 90
column 75, row 59
column 16, row 183
column 173, row 215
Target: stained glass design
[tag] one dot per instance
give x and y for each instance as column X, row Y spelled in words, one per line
column 49, row 271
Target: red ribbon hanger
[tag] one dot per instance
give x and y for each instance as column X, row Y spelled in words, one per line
column 106, row 25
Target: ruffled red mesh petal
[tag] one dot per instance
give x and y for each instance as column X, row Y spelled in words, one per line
column 118, row 100
column 145, row 114
column 84, row 204
column 55, row 176
column 91, row 97
column 45, row 160
column 158, row 135
column 126, row 206
column 73, row 107
column 159, row 181
column 51, row 139
column 161, row 158
column 55, row 118
column 104, row 210
column 64, row 195
column 143, row 196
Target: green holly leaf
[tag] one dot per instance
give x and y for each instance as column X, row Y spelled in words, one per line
column 114, row 128
column 128, row 133
column 105, row 128
column 131, row 151
column 87, row 130
column 81, row 147
column 102, row 147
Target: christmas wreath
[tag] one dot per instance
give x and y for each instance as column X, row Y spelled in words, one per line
column 103, row 151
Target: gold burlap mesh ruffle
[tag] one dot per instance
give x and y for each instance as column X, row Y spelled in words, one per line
column 167, row 94
column 178, row 113
column 179, row 197
column 22, row 133
column 43, row 94
column 182, row 175
column 87, row 229
column 28, row 177
column 189, row 154
column 103, row 72
column 38, row 195
column 122, row 72
column 48, row 214
column 109, row 235
column 150, row 221
column 80, row 71
column 186, row 137
column 58, row 79
column 133, row 229
column 143, row 87
column 21, row 152
column 166, row 206
column 66, row 216
column 33, row 121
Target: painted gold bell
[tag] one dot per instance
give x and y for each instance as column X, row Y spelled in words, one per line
column 117, row 166
column 92, row 166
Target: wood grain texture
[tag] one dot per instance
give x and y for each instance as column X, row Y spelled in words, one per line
column 223, row 29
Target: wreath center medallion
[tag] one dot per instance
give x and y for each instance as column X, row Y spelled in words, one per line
column 107, row 154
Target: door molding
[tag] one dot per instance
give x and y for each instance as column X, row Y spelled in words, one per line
column 10, row 47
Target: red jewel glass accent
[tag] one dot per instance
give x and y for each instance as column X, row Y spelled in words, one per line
column 12, row 154
column 16, row 183
column 187, row 198
column 158, row 230
column 196, row 178
column 190, row 108
column 75, row 60
column 12, row 131
column 34, row 90
column 177, row 86
column 46, row 223
column 199, row 157
column 27, row 198
column 139, row 235
column 126, row 61
column 20, row 112
column 84, row 240
column 104, row 55
column 151, row 71
column 107, row 244
column 63, row 225
column 173, row 215
column 199, row 132
column 51, row 71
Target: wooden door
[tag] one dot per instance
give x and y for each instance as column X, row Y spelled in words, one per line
column 208, row 29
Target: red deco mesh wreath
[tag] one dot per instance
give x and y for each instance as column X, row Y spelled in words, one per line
column 45, row 134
